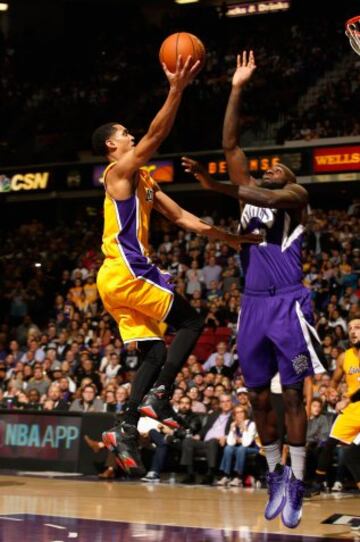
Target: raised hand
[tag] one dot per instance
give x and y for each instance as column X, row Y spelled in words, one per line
column 245, row 67
column 198, row 170
column 235, row 240
column 184, row 74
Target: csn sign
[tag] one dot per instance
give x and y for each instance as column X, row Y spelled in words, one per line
column 24, row 181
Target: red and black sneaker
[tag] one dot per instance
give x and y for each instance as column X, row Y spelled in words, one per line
column 156, row 405
column 123, row 440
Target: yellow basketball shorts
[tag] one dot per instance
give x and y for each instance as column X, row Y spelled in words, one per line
column 139, row 304
column 346, row 427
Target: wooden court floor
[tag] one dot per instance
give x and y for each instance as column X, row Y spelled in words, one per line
column 36, row 509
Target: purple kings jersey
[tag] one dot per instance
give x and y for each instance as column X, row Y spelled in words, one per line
column 276, row 262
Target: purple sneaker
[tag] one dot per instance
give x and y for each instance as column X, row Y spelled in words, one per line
column 292, row 511
column 277, row 482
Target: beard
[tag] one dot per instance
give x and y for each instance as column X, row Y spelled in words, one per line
column 357, row 344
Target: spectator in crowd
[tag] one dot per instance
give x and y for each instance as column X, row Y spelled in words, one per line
column 240, row 442
column 166, row 439
column 113, row 368
column 318, row 430
column 88, row 401
column 219, row 368
column 131, row 359
column 34, row 397
column 39, row 381
column 197, row 406
column 221, row 350
column 211, row 273
column 54, row 395
column 121, row 398
column 208, row 441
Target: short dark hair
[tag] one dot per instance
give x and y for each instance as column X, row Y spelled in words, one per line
column 99, row 137
column 288, row 172
column 352, row 318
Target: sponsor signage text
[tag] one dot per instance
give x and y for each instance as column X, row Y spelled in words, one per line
column 346, row 158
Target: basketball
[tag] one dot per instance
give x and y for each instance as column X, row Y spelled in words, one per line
column 184, row 44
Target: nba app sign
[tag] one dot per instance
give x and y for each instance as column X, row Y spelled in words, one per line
column 39, row 437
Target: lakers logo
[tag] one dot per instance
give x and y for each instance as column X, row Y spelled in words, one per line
column 149, row 195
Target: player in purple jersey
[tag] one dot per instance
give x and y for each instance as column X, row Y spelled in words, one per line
column 275, row 331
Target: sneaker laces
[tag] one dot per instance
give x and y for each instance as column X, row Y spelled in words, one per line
column 274, row 480
column 296, row 493
column 160, row 392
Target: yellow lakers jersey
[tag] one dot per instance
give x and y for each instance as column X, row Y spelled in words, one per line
column 127, row 222
column 351, row 368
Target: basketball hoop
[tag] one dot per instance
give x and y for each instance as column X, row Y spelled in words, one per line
column 352, row 30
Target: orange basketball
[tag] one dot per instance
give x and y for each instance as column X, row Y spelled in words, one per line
column 184, row 44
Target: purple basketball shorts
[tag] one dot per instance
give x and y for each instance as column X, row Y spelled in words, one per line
column 275, row 333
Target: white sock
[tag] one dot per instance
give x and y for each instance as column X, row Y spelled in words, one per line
column 272, row 454
column 297, row 455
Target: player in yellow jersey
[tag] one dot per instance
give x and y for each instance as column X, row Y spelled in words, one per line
column 346, row 427
column 134, row 291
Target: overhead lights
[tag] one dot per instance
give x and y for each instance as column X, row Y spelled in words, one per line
column 186, row 1
column 4, row 6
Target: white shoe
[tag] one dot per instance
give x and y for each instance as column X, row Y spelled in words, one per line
column 236, row 482
column 337, row 487
column 151, row 477
column 223, row 481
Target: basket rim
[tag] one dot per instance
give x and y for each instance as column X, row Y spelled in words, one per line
column 352, row 21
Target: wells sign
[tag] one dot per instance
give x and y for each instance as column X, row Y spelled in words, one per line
column 326, row 159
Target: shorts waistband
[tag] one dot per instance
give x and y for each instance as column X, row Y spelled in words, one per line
column 273, row 291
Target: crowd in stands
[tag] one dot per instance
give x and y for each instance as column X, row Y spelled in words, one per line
column 102, row 75
column 60, row 351
column 332, row 115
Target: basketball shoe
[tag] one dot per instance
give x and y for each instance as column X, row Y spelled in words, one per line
column 123, row 440
column 156, row 405
column 277, row 482
column 292, row 511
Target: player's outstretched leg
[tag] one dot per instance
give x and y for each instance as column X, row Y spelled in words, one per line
column 266, row 423
column 123, row 439
column 184, row 318
column 295, row 417
column 157, row 405
column 277, row 482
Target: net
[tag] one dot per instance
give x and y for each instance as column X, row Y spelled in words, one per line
column 353, row 33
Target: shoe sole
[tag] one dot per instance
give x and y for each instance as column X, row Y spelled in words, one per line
column 283, row 500
column 288, row 525
column 150, row 412
column 122, row 457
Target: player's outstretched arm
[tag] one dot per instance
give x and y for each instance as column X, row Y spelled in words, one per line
column 199, row 172
column 163, row 122
column 235, row 157
column 292, row 196
column 176, row 214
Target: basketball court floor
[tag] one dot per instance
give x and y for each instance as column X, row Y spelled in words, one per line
column 41, row 509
